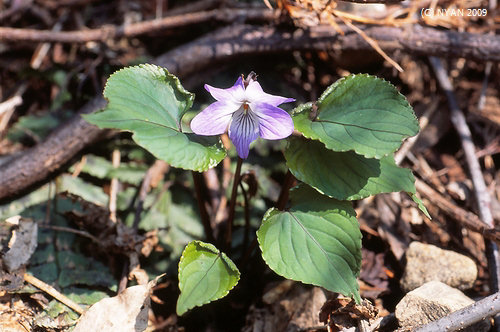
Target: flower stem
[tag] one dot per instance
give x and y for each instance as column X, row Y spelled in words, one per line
column 246, row 207
column 288, row 183
column 232, row 205
column 205, row 218
column 285, row 188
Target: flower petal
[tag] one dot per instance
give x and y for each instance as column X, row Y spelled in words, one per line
column 214, row 119
column 274, row 123
column 235, row 94
column 255, row 94
column 244, row 129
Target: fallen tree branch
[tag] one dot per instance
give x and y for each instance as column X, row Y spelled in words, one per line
column 226, row 15
column 413, row 39
column 460, row 319
column 374, row 1
column 483, row 198
column 42, row 161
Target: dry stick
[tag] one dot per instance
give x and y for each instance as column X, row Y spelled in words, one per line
column 113, row 191
column 37, row 164
column 483, row 309
column 36, row 60
column 72, row 230
column 373, row 43
column 158, row 166
column 374, row 1
column 10, row 103
column 205, row 218
column 53, row 292
column 132, row 30
column 415, row 39
column 7, row 107
column 422, row 122
column 480, row 190
column 464, row 217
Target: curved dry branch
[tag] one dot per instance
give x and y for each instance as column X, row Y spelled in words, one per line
column 37, row 164
column 460, row 319
column 112, row 31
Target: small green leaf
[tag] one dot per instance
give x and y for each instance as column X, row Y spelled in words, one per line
column 361, row 113
column 420, row 204
column 205, row 275
column 150, row 102
column 317, row 242
column 345, row 175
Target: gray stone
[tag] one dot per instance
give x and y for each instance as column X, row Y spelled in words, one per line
column 430, row 302
column 426, row 262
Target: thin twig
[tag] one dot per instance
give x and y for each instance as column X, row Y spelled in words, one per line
column 464, row 217
column 53, row 292
column 232, row 205
column 226, row 180
column 460, row 319
column 159, row 166
column 10, row 103
column 423, row 121
column 212, row 184
column 373, row 43
column 205, row 218
column 481, row 192
column 132, row 30
column 113, row 191
column 74, row 231
column 387, row 2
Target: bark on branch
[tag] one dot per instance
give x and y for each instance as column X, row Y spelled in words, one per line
column 42, row 161
column 111, row 31
column 414, row 38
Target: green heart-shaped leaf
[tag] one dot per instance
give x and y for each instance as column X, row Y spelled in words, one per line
column 205, row 275
column 345, row 175
column 150, row 102
column 317, row 242
column 361, row 113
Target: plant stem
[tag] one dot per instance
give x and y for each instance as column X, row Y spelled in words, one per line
column 285, row 188
column 246, row 207
column 232, row 205
column 288, row 182
column 205, row 219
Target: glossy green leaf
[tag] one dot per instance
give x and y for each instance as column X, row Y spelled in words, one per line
column 345, row 175
column 150, row 102
column 317, row 241
column 205, row 275
column 361, row 113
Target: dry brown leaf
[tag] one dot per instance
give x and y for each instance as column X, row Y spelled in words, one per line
column 22, row 243
column 340, row 313
column 125, row 312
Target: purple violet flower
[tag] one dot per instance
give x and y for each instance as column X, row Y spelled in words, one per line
column 248, row 111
